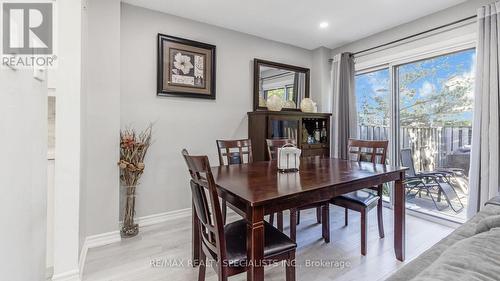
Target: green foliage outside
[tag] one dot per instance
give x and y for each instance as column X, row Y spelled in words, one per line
column 433, row 93
column 281, row 92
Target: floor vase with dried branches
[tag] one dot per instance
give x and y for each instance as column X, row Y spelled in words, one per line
column 133, row 148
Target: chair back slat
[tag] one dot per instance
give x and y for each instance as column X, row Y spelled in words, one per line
column 274, row 144
column 200, row 203
column 208, row 210
column 407, row 161
column 233, row 152
column 369, row 151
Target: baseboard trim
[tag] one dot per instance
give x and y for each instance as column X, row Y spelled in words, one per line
column 102, row 239
column 81, row 260
column 72, row 275
column 163, row 217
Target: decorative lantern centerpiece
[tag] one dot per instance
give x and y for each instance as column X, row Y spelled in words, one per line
column 288, row 158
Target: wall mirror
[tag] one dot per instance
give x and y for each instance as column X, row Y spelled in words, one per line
column 289, row 82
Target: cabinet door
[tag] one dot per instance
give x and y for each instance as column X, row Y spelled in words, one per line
column 282, row 127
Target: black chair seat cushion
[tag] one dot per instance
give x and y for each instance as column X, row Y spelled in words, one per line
column 275, row 242
column 361, row 197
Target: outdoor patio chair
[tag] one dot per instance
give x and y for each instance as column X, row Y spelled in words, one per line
column 433, row 181
column 457, row 177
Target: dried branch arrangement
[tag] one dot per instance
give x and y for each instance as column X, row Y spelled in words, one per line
column 133, row 149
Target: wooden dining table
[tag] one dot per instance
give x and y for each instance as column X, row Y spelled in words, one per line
column 257, row 189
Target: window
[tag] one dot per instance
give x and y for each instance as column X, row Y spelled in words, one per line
column 437, row 92
column 285, row 93
column 373, row 101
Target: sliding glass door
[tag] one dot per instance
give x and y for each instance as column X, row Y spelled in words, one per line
column 435, row 131
column 424, row 108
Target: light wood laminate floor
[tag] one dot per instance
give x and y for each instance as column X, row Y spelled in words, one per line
column 169, row 244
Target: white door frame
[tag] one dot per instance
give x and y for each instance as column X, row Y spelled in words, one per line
column 68, row 141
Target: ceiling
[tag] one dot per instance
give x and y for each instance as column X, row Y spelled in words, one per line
column 297, row 22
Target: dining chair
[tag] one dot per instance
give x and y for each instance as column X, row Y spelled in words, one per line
column 226, row 244
column 363, row 201
column 272, row 153
column 234, row 152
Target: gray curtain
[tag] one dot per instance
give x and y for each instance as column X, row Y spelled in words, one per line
column 344, row 104
column 484, row 170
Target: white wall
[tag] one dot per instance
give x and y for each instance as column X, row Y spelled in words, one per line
column 23, row 123
column 101, row 121
column 179, row 123
column 321, row 79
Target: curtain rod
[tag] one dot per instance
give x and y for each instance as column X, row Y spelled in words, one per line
column 413, row 35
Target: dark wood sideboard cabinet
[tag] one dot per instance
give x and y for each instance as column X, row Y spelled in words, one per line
column 264, row 125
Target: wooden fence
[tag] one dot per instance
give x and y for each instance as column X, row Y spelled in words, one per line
column 432, row 146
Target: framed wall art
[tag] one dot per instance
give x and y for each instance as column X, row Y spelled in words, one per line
column 186, row 68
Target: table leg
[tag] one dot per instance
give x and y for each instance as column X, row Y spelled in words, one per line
column 196, row 243
column 399, row 219
column 325, row 220
column 255, row 244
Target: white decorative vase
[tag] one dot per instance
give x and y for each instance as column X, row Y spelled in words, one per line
column 290, row 104
column 274, row 103
column 307, row 105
